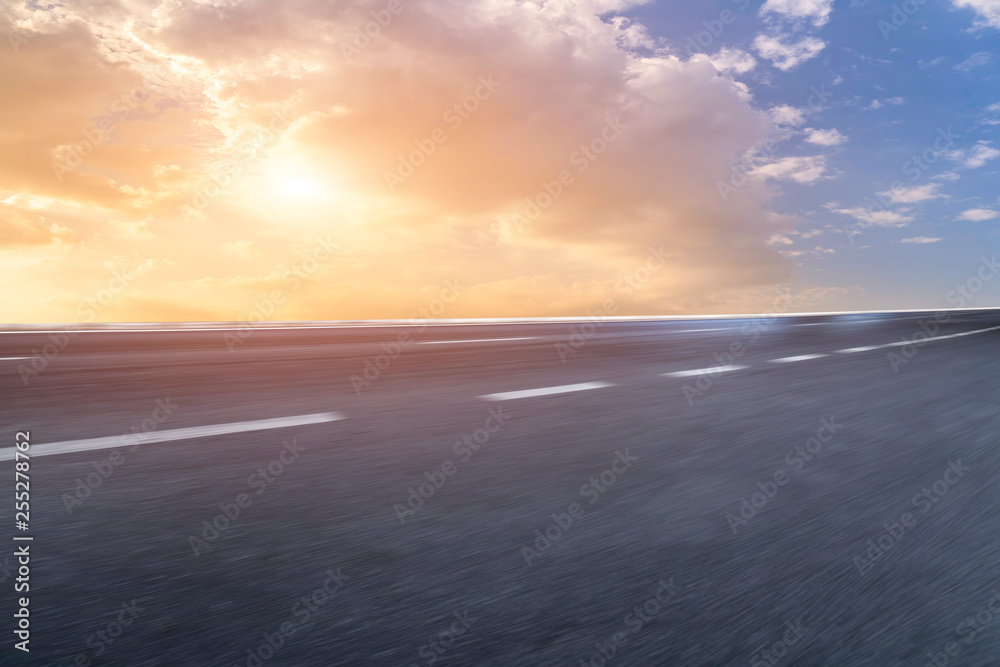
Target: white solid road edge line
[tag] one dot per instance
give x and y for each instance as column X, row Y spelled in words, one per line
column 706, row 371
column 130, row 439
column 478, row 340
column 546, row 391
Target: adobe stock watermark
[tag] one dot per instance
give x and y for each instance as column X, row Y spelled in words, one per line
column 915, row 167
column 581, row 159
column 73, row 155
column 634, row 621
column 103, row 639
column 260, row 480
column 375, row 366
column 627, row 286
column 563, row 521
column 440, row 643
column 371, row 30
column 967, row 630
column 796, row 459
column 900, row 16
column 699, row 42
column 222, row 174
column 302, row 612
column 264, row 309
column 89, row 309
column 455, row 116
column 19, row 38
column 106, row 466
column 963, row 294
column 436, row 478
column 770, row 654
column 896, row 530
column 741, row 171
column 752, row 330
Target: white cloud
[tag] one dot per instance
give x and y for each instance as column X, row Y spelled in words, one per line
column 733, row 60
column 913, row 195
column 925, row 64
column 818, row 11
column 830, row 137
column 975, row 60
column 947, row 176
column 787, row 115
column 987, row 10
column 978, row 215
column 798, row 169
column 923, row 239
column 786, row 54
column 976, row 156
column 878, row 104
column 876, row 218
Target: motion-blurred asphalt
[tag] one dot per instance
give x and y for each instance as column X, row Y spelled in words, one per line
column 732, row 593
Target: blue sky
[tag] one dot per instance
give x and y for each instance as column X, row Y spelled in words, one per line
column 892, row 85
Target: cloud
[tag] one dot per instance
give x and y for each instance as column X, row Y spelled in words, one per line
column 817, row 11
column 974, row 157
column 988, row 11
column 947, row 176
column 878, row 104
column 922, row 239
column 831, row 137
column 876, row 218
column 786, row 54
column 787, row 115
column 914, row 194
column 978, row 215
column 357, row 111
column 733, row 60
column 926, row 64
column 975, row 60
column 797, row 169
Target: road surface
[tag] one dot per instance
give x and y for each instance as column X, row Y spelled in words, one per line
column 804, row 490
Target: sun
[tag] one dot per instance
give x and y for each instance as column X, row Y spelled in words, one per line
column 298, row 187
column 290, row 181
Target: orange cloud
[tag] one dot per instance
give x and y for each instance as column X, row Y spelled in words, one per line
column 421, row 153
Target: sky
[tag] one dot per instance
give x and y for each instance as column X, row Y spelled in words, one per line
column 310, row 160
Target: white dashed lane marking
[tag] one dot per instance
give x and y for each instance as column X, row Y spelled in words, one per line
column 701, row 330
column 706, row 371
column 819, row 355
column 68, row 446
column 546, row 391
column 802, row 357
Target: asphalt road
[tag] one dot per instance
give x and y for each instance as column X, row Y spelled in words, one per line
column 529, row 493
